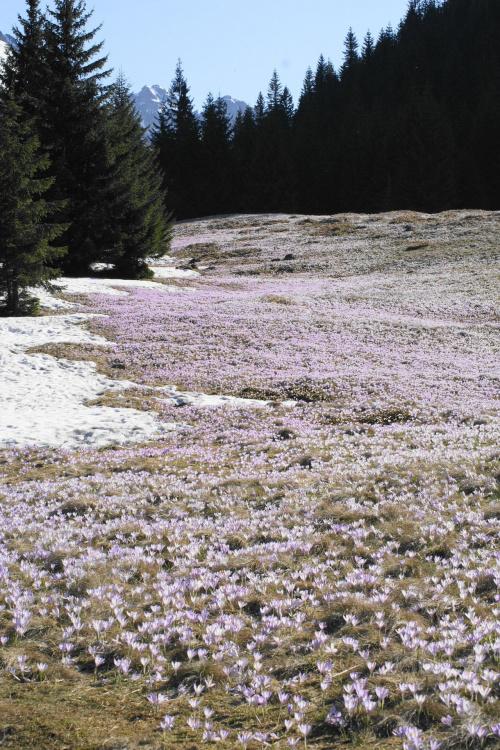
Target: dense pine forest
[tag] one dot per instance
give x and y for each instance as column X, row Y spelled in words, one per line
column 411, row 120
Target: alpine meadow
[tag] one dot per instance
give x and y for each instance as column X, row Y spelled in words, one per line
column 250, row 397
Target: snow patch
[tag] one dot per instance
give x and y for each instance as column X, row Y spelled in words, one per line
column 42, row 398
column 166, row 272
column 203, row 399
column 20, row 334
column 104, row 286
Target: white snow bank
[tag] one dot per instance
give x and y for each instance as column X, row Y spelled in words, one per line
column 104, row 286
column 22, row 333
column 165, row 260
column 168, row 272
column 96, row 286
column 204, row 399
column 165, row 268
column 49, row 302
column 42, row 398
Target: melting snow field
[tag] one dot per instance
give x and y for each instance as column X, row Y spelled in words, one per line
column 313, row 563
column 42, row 398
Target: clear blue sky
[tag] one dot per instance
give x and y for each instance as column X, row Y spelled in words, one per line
column 226, row 46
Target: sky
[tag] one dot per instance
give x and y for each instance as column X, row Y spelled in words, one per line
column 226, row 46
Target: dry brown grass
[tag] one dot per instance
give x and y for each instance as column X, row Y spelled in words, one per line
column 198, row 250
column 278, row 300
column 77, row 715
column 405, row 218
column 335, row 227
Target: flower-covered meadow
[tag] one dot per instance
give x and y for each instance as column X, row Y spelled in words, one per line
column 320, row 569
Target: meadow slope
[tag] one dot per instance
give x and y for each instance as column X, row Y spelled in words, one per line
column 312, row 563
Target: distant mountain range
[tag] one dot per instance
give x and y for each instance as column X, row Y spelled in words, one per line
column 148, row 101
column 149, row 98
column 5, row 41
column 7, row 38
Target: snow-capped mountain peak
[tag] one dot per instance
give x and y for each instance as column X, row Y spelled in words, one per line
column 148, row 102
column 7, row 39
column 154, row 94
column 234, row 106
column 150, row 98
column 3, row 49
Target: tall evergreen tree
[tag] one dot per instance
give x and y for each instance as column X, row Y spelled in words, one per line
column 274, row 93
column 176, row 136
column 73, row 130
column 351, row 55
column 273, row 167
column 136, row 220
column 315, row 126
column 259, row 110
column 215, row 157
column 27, row 256
column 368, row 47
column 287, row 105
column 24, row 72
column 305, row 145
column 243, row 147
column 307, row 94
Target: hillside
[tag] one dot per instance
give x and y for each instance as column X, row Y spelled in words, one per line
column 306, row 551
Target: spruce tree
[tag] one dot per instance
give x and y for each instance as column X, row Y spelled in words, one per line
column 136, row 220
column 287, row 105
column 351, row 56
column 320, row 73
column 259, row 110
column 215, row 157
column 274, row 93
column 176, row 136
column 24, row 71
column 73, row 131
column 368, row 47
column 27, row 256
column 273, row 168
column 243, row 146
column 305, row 145
column 307, row 94
column 315, row 126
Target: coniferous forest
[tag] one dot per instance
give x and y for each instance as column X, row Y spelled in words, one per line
column 411, row 120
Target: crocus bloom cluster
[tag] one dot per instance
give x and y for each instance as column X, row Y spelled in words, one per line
column 283, row 573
